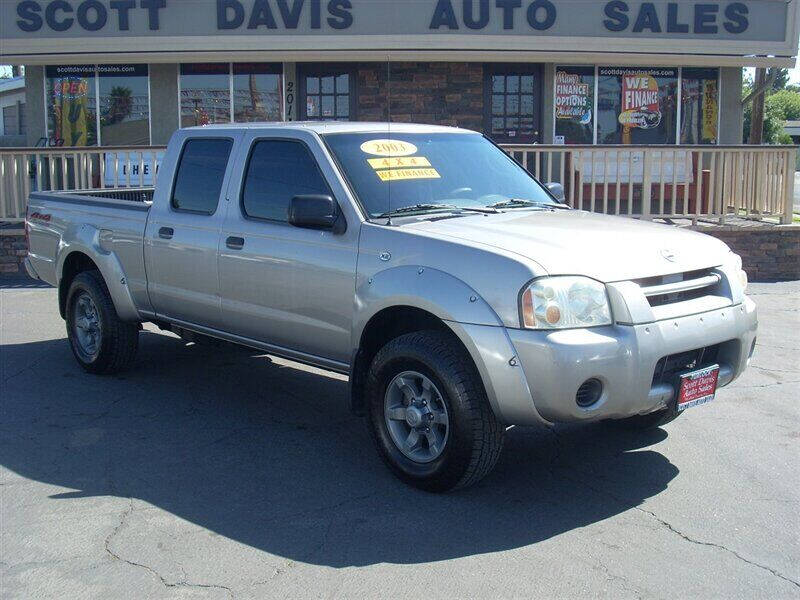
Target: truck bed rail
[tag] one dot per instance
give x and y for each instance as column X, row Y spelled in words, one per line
column 130, row 195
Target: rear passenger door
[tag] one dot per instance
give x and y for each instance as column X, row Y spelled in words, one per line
column 182, row 235
column 282, row 285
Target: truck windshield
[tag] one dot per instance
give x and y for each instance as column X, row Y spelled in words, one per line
column 421, row 173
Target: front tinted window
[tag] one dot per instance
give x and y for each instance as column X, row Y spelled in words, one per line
column 277, row 172
column 463, row 170
column 200, row 174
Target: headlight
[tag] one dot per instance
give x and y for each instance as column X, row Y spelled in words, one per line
column 564, row 303
column 736, row 263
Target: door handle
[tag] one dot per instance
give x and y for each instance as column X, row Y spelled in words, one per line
column 235, row 243
column 166, row 233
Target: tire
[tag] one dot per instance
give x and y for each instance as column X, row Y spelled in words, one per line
column 470, row 444
column 649, row 421
column 101, row 342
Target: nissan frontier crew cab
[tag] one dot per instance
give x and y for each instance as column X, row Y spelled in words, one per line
column 458, row 293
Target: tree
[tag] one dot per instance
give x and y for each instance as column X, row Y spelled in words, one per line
column 781, row 79
column 760, row 85
column 779, row 106
column 120, row 106
column 787, row 102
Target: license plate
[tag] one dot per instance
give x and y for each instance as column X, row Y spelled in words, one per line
column 697, row 387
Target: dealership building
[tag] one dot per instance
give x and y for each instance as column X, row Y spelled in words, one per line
column 129, row 72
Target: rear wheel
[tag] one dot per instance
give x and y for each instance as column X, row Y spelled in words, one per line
column 429, row 415
column 101, row 342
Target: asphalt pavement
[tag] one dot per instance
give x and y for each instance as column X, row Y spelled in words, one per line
column 216, row 473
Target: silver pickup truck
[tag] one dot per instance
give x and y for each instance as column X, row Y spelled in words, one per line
column 459, row 295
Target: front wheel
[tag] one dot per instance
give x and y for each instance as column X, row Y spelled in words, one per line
column 429, row 415
column 101, row 342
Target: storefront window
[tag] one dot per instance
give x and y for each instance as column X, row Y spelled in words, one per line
column 699, row 106
column 124, row 105
column 513, row 111
column 328, row 95
column 637, row 105
column 205, row 94
column 71, row 105
column 256, row 92
column 574, row 105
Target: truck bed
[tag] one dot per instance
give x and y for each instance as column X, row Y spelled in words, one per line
column 107, row 222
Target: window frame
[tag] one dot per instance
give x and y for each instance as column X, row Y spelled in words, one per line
column 270, row 68
column 680, row 104
column 185, row 143
column 306, row 70
column 595, row 97
column 96, row 85
column 274, row 68
column 679, row 101
column 180, row 87
column 250, row 151
column 510, row 69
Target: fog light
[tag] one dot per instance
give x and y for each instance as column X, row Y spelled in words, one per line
column 589, row 392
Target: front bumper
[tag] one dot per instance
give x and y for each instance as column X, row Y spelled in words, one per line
column 624, row 359
column 533, row 376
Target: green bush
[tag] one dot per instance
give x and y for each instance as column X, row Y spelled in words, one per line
column 787, row 103
column 779, row 107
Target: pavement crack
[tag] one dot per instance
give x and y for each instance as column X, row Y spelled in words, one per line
column 168, row 584
column 692, row 540
column 670, row 527
column 27, row 367
column 765, row 385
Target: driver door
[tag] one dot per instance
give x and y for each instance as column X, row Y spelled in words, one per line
column 282, row 285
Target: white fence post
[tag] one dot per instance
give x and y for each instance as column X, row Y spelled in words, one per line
column 647, row 183
column 788, row 193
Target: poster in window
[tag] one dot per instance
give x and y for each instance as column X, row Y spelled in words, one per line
column 574, row 104
column 637, row 105
column 640, row 103
column 700, row 105
column 573, row 98
column 710, row 109
column 72, row 120
column 71, row 111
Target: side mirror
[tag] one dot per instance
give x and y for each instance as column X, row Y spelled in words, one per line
column 557, row 190
column 315, row 211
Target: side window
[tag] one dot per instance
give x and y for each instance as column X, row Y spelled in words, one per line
column 201, row 171
column 277, row 172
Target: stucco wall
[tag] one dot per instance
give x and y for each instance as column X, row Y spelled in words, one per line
column 730, row 109
column 34, row 104
column 163, row 102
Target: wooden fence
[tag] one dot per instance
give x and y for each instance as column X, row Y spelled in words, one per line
column 647, row 182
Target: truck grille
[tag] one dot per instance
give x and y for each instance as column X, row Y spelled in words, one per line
column 670, row 366
column 678, row 287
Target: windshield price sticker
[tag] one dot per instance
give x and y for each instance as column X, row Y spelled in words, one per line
column 402, row 174
column 388, row 148
column 399, row 162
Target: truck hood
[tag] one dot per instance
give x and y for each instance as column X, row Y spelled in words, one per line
column 576, row 242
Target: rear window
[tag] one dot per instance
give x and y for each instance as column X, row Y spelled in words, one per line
column 201, row 171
